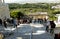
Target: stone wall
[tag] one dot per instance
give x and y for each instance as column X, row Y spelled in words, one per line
column 4, row 10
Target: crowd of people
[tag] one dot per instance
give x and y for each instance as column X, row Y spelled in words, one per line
column 50, row 25
column 14, row 21
column 40, row 21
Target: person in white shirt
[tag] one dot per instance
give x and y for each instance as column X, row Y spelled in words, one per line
column 47, row 25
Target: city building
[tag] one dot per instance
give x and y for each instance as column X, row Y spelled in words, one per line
column 39, row 15
column 56, row 7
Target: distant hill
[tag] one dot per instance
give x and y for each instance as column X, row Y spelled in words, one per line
column 17, row 6
column 29, row 8
column 33, row 5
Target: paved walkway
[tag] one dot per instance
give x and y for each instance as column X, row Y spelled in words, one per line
column 30, row 31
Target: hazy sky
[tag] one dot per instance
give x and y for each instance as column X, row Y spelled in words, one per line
column 30, row 1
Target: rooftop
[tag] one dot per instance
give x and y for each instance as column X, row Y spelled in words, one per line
column 38, row 13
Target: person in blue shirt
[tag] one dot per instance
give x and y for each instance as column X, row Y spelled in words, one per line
column 15, row 23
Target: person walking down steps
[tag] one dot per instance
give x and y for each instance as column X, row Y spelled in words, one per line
column 15, row 23
column 5, row 23
column 53, row 25
column 47, row 26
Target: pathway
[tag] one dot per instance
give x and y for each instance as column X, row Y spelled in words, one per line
column 24, row 32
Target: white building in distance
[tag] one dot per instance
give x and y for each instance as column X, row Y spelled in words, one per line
column 4, row 10
column 56, row 7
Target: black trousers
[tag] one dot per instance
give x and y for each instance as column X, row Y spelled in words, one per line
column 47, row 28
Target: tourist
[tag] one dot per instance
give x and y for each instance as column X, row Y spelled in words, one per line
column 15, row 23
column 5, row 23
column 19, row 21
column 57, row 36
column 0, row 21
column 52, row 24
column 47, row 25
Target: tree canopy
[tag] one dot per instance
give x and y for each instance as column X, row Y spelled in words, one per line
column 16, row 14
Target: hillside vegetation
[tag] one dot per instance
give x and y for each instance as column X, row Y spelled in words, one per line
column 31, row 8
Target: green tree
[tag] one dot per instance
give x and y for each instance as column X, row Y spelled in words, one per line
column 16, row 14
column 20, row 15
